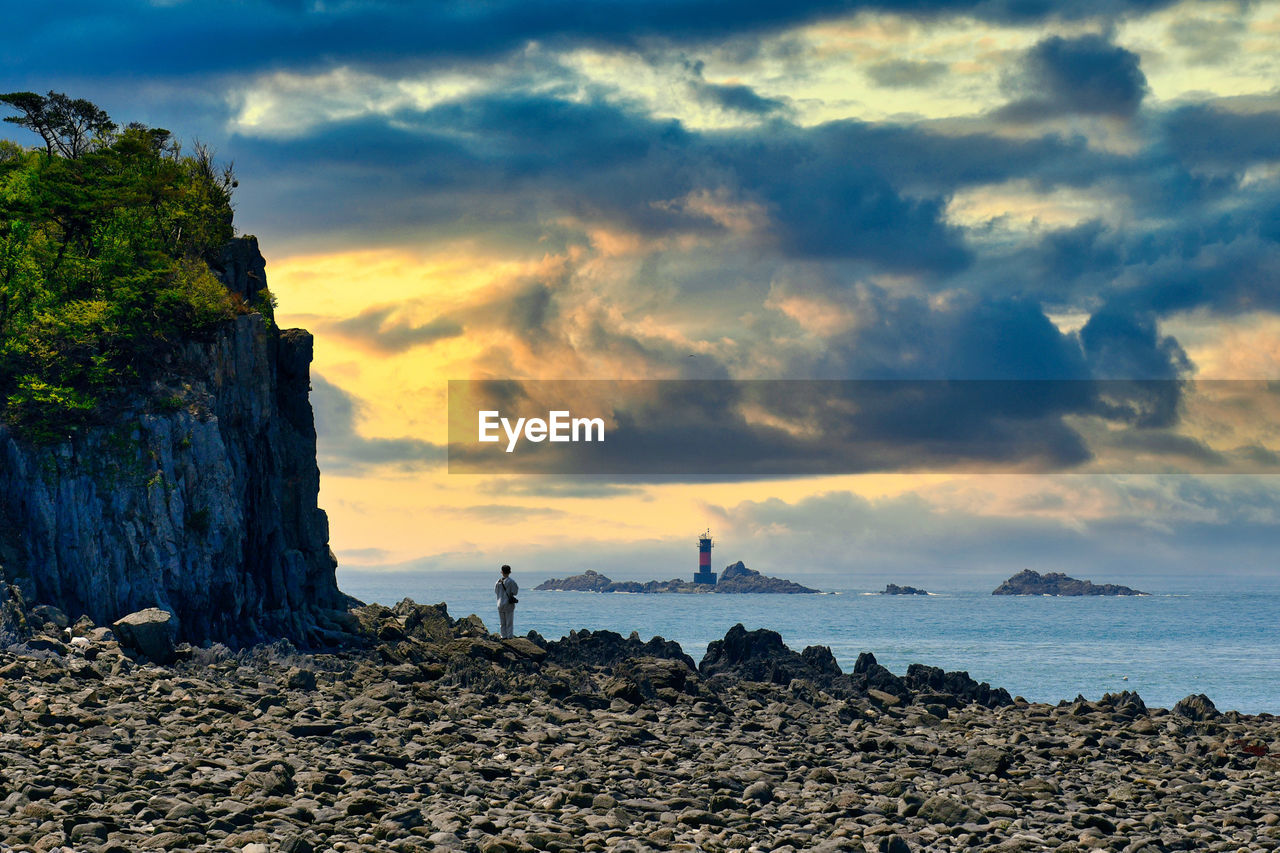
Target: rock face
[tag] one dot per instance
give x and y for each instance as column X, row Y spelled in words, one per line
column 736, row 578
column 204, row 506
column 894, row 589
column 1028, row 582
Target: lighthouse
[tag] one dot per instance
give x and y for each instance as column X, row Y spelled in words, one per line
column 704, row 574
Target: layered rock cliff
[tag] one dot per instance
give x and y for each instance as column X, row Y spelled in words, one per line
column 203, row 503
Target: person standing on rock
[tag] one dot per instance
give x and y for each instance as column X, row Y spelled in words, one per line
column 505, row 589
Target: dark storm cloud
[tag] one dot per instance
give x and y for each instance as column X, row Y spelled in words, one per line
column 993, row 337
column 1086, row 75
column 341, row 449
column 1124, row 345
column 1220, row 252
column 737, row 98
column 1214, row 135
column 843, row 190
column 136, row 37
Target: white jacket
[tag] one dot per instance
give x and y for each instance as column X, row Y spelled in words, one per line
column 504, row 589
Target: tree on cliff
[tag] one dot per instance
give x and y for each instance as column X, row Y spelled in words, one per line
column 105, row 244
column 68, row 126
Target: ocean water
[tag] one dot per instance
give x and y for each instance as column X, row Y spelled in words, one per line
column 1223, row 643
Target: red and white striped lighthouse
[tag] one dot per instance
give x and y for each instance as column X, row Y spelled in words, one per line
column 704, row 574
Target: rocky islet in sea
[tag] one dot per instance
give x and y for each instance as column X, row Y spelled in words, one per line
column 736, row 578
column 894, row 589
column 1029, row 582
column 428, row 734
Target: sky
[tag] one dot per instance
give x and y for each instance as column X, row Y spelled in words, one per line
column 1077, row 193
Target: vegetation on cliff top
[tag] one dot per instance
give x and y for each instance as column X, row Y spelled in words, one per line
column 105, row 241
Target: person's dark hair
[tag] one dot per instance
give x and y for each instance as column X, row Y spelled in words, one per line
column 506, row 570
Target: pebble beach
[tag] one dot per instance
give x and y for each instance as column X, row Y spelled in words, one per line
column 433, row 735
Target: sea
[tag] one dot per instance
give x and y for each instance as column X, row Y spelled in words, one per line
column 1217, row 638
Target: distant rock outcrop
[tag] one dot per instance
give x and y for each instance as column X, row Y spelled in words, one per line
column 894, row 589
column 736, row 578
column 588, row 581
column 1028, row 582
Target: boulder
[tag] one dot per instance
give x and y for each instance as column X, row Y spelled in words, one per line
column 1197, row 707
column 49, row 614
column 761, row 655
column 151, row 632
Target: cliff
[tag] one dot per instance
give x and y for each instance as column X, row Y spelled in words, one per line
column 204, row 504
column 1028, row 582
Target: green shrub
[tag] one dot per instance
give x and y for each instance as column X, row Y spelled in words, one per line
column 104, row 248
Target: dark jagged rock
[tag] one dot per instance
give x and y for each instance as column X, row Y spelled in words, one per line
column 761, row 655
column 869, row 675
column 241, row 267
column 758, row 655
column 931, row 679
column 1028, row 582
column 1197, row 707
column 1126, row 703
column 607, row 648
column 205, row 507
column 735, row 578
column 894, row 589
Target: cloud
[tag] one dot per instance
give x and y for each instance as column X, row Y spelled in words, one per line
column 1121, row 530
column 1209, row 40
column 379, row 328
column 341, row 449
column 1123, row 345
column 555, row 487
column 733, row 97
column 139, row 38
column 1085, row 75
column 905, row 73
column 502, row 513
column 1214, row 134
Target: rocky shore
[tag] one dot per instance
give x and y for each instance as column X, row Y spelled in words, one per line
column 432, row 735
